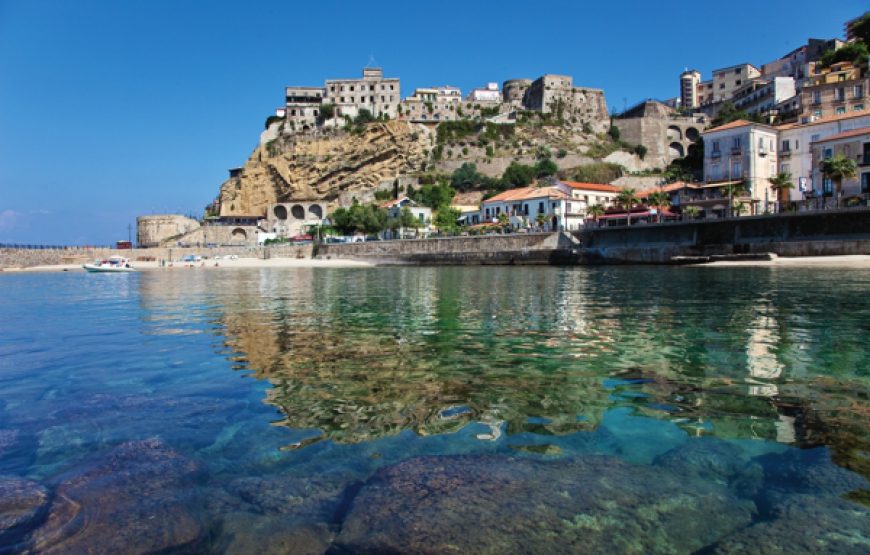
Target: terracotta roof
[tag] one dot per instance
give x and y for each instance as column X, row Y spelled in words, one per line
column 825, row 119
column 593, row 186
column 526, row 193
column 735, row 124
column 845, row 135
column 676, row 186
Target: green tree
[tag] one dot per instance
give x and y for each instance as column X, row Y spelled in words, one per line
column 435, row 195
column 545, row 167
column 837, row 169
column 518, row 175
column 627, row 198
column 855, row 52
column 613, row 132
column 728, row 113
column 541, row 219
column 781, row 183
column 692, row 212
column 861, row 28
column 466, row 177
column 445, row 219
column 660, row 200
column 327, row 112
column 595, row 211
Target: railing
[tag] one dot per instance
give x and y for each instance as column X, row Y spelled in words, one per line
column 21, row 246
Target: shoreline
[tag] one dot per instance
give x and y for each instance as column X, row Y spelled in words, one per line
column 153, row 266
column 858, row 261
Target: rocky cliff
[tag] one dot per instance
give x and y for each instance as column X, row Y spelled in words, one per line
column 333, row 166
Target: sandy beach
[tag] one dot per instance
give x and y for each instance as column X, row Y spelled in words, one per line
column 858, row 261
column 212, row 265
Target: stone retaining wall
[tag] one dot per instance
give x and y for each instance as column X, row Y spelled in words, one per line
column 25, row 258
column 525, row 248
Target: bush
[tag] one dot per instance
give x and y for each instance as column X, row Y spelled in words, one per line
column 465, row 151
column 597, row 172
column 561, row 153
column 451, row 131
column 587, row 129
column 327, row 112
column 640, row 150
column 613, row 132
column 518, row 175
column 273, row 119
column 489, row 151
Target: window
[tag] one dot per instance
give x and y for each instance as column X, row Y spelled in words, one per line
column 736, row 83
column 351, row 88
column 737, row 71
column 827, row 186
column 841, row 110
column 540, row 208
column 814, row 138
column 817, row 97
column 785, row 146
column 858, row 92
column 722, row 86
column 817, row 113
column 857, row 107
column 828, row 153
column 735, row 143
column 715, row 172
column 865, row 182
column 715, row 146
column 736, row 170
column 840, row 94
column 526, row 209
column 784, row 168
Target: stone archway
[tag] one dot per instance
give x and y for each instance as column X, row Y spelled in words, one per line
column 676, row 150
column 674, row 133
column 280, row 212
column 692, row 134
column 239, row 234
column 298, row 212
column 316, row 211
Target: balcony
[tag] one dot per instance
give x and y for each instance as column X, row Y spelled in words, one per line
column 736, row 151
column 785, row 153
column 863, row 160
column 716, row 154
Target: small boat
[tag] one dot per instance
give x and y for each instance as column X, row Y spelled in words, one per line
column 112, row 264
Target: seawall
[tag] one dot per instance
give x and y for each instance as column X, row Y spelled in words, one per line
column 829, row 233
column 26, row 258
column 522, row 248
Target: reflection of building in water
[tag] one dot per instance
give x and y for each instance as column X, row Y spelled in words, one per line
column 761, row 357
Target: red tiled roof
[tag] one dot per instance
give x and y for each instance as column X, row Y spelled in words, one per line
column 676, row 186
column 525, row 193
column 593, row 186
column 845, row 135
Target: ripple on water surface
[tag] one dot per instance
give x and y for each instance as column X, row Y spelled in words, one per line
column 430, row 410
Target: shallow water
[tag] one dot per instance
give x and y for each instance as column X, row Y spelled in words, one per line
column 408, row 409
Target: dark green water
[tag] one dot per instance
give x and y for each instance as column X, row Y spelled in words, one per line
column 444, row 410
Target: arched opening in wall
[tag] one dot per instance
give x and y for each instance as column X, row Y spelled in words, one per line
column 692, row 134
column 674, row 133
column 280, row 212
column 306, row 128
column 693, row 149
column 298, row 212
column 316, row 211
column 675, row 150
column 239, row 234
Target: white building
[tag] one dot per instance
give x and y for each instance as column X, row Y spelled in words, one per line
column 761, row 96
column 795, row 155
column 423, row 214
column 489, row 94
column 583, row 195
column 743, row 152
column 727, row 80
column 528, row 207
column 302, row 106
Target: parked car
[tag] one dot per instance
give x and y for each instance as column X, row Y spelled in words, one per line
column 191, row 258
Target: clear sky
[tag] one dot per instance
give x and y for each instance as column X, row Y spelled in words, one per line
column 111, row 109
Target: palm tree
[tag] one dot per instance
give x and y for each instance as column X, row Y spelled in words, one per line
column 627, row 198
column 596, row 211
column 660, row 200
column 837, row 169
column 691, row 211
column 781, row 183
column 734, row 190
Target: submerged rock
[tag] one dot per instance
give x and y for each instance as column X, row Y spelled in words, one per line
column 715, row 460
column 270, row 535
column 805, row 524
column 22, row 503
column 806, row 471
column 135, row 499
column 491, row 504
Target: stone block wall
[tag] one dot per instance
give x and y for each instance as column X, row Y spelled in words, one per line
column 152, row 230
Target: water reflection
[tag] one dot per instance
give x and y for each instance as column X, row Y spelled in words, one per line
column 361, row 354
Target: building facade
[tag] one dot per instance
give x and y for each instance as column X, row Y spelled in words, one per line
column 690, row 82
column 837, row 90
column 378, row 94
column 486, row 95
column 795, row 155
column 583, row 195
column 854, row 145
column 302, row 106
column 762, row 96
column 528, row 207
column 729, row 79
column 742, row 154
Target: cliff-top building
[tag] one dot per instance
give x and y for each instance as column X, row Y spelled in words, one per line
column 374, row 92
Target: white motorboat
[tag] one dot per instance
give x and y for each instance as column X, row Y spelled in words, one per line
column 112, row 264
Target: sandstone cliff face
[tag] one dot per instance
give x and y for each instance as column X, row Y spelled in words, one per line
column 334, row 167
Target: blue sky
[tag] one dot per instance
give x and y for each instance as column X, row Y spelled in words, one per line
column 109, row 109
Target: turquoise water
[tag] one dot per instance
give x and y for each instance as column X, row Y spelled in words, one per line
column 441, row 410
